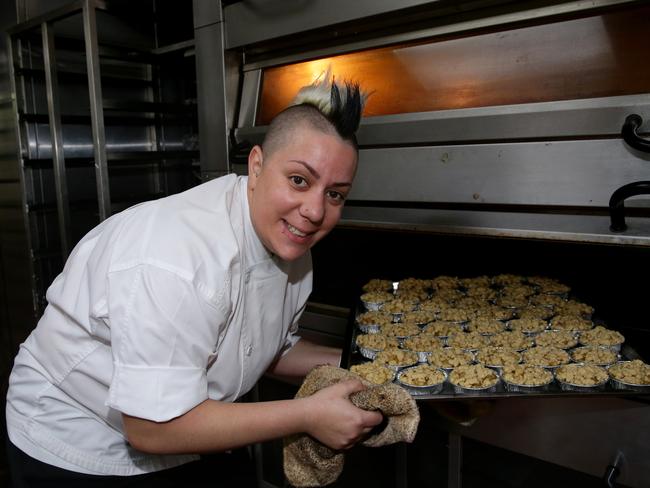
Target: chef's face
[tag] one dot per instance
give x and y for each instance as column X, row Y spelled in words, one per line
column 296, row 194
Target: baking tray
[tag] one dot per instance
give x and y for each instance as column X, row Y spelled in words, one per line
column 352, row 356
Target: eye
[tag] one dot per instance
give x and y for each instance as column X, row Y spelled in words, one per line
column 298, row 181
column 336, row 196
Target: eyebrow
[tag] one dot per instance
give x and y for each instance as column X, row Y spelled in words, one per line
column 315, row 173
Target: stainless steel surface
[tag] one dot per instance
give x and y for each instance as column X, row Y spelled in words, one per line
column 206, row 12
column 58, row 158
column 96, row 109
column 562, row 119
column 520, row 12
column 250, row 99
column 139, row 105
column 520, row 225
column 25, row 312
column 46, row 14
column 566, row 173
column 596, row 117
column 211, row 97
column 275, row 18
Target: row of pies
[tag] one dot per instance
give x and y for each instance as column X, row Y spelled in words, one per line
column 500, row 297
column 414, row 338
column 470, row 378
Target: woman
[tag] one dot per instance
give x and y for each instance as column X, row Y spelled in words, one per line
column 168, row 312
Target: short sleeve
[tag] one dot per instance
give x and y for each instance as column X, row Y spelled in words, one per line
column 163, row 335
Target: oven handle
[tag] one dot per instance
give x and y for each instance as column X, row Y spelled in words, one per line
column 632, row 123
column 617, row 203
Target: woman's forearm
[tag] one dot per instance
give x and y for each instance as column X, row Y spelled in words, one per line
column 328, row 415
column 214, row 426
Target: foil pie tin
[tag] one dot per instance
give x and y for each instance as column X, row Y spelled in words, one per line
column 390, row 378
column 604, row 365
column 367, row 352
column 622, row 385
column 372, row 306
column 528, row 388
column 397, row 316
column 467, row 390
column 566, row 386
column 421, row 390
column 496, row 367
column 529, row 333
column 614, row 347
column 397, row 367
column 475, row 390
column 549, row 333
column 427, row 328
column 369, row 328
column 518, row 388
column 423, row 356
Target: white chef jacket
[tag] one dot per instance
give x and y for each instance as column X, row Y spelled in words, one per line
column 157, row 309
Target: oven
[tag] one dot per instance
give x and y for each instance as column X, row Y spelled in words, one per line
column 500, row 137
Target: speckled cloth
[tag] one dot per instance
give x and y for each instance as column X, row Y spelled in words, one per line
column 309, row 463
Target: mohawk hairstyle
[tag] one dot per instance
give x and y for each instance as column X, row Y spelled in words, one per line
column 341, row 105
column 325, row 106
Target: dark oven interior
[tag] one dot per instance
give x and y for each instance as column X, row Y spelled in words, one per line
column 610, row 278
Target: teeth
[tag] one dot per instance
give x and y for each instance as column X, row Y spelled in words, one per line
column 295, row 231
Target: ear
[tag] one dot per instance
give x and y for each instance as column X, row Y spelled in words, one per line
column 255, row 161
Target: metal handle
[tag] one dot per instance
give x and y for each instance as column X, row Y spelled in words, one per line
column 617, row 203
column 613, row 471
column 632, row 123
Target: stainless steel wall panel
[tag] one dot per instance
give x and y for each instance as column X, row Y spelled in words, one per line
column 276, row 18
column 465, row 20
column 78, row 143
column 96, row 109
column 56, row 135
column 18, row 270
column 571, row 173
column 584, row 229
column 595, row 117
column 564, row 119
column 211, row 97
column 31, row 13
column 249, row 98
column 206, row 12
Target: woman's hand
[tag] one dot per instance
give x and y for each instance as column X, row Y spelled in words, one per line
column 334, row 420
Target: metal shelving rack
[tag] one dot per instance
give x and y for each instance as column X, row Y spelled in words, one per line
column 106, row 117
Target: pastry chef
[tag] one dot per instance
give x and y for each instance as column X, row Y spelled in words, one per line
column 168, row 312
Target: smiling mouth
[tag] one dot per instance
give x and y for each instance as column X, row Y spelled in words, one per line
column 295, row 231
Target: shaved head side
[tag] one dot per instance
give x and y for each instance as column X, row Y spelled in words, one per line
column 325, row 106
column 284, row 125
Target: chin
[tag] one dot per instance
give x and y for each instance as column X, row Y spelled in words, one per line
column 291, row 254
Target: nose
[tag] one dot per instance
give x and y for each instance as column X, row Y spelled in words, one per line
column 313, row 207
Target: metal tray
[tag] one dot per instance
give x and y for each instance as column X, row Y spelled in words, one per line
column 351, row 356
